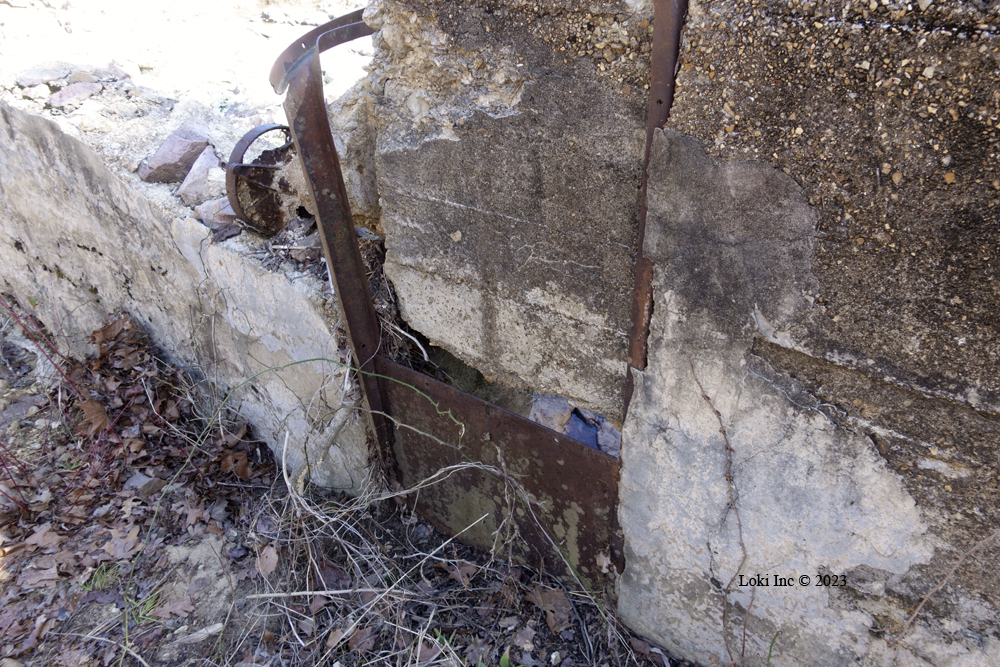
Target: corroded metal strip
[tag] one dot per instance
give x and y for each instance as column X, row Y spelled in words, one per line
column 574, row 486
column 298, row 71
column 668, row 18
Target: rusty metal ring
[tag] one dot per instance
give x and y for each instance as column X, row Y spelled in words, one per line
column 236, row 160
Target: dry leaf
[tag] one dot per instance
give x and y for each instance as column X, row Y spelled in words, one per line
column 478, row 651
column 639, row 646
column 307, row 626
column 523, row 639
column 527, row 661
column 94, row 417
column 318, row 602
column 236, row 462
column 121, row 547
column 555, row 604
column 267, row 561
column 32, row 578
column 43, row 538
column 427, row 652
column 109, row 332
column 363, row 640
column 331, row 577
column 461, row 571
column 40, row 502
column 334, row 638
column 181, row 609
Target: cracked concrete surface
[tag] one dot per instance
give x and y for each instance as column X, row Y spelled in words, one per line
column 820, row 487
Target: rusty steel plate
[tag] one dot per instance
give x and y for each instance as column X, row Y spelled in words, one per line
column 574, row 488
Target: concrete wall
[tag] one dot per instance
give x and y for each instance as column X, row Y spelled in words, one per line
column 824, row 229
column 508, row 172
column 828, row 273
column 79, row 244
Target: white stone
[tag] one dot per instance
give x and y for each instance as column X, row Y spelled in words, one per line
column 39, row 92
column 197, row 186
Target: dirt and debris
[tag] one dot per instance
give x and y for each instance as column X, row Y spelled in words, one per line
column 111, row 481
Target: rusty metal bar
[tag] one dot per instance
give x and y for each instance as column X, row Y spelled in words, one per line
column 668, row 17
column 298, row 71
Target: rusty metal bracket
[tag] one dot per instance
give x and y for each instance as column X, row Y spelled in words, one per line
column 252, row 190
column 422, row 425
column 236, row 168
column 668, row 20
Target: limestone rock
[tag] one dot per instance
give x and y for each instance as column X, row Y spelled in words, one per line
column 74, row 94
column 39, row 92
column 38, row 75
column 201, row 183
column 175, row 156
column 81, row 76
column 215, row 213
column 111, row 73
column 551, row 411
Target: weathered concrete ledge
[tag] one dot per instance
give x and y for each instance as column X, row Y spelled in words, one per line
column 79, row 245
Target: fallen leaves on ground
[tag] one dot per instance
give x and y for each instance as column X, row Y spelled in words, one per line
column 523, row 638
column 74, row 536
column 95, row 419
column 181, row 608
column 363, row 640
column 427, row 651
column 267, row 561
column 556, row 605
column 461, row 571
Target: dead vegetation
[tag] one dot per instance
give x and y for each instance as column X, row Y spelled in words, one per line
column 142, row 526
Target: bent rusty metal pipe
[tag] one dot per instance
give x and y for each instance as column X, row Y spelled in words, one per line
column 298, row 71
column 668, row 18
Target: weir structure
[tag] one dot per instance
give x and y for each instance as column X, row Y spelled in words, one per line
column 505, row 472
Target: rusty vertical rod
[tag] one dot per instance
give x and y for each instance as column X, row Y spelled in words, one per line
column 668, row 17
column 299, row 70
